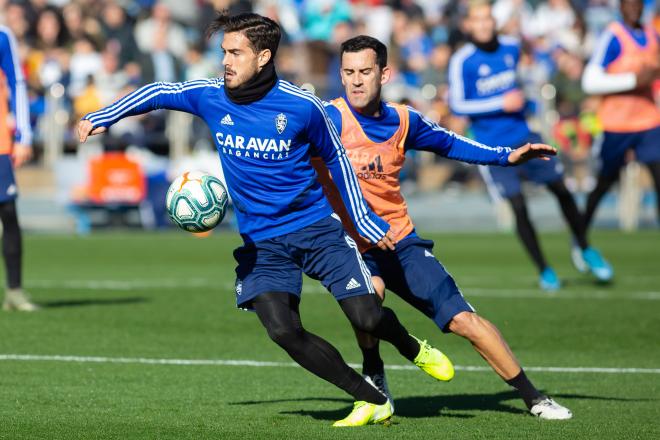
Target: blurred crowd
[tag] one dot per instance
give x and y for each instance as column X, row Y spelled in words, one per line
column 100, row 50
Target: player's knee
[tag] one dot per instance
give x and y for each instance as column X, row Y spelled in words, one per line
column 364, row 312
column 466, row 324
column 283, row 335
column 368, row 321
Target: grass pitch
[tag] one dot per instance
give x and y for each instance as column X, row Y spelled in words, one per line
column 127, row 305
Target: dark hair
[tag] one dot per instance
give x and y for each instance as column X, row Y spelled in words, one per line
column 361, row 42
column 262, row 32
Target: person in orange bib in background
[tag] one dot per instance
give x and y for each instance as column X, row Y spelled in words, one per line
column 376, row 136
column 623, row 68
column 15, row 150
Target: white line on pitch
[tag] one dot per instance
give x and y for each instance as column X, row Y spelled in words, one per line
column 252, row 363
column 196, row 283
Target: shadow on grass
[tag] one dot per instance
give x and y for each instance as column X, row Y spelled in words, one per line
column 587, row 281
column 453, row 405
column 91, row 302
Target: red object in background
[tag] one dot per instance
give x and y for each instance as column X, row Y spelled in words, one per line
column 571, row 136
column 115, row 179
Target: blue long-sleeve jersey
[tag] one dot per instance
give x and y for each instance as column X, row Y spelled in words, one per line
column 478, row 81
column 423, row 134
column 18, row 101
column 265, row 149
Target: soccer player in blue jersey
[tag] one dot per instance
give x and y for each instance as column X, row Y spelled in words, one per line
column 376, row 136
column 265, row 130
column 483, row 85
column 15, row 150
column 622, row 69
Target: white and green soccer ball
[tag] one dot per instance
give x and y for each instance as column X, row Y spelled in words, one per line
column 196, row 201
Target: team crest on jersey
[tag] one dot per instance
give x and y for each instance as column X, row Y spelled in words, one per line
column 280, row 122
column 484, row 70
column 508, row 60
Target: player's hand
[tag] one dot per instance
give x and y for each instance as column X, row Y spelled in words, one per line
column 531, row 151
column 514, row 101
column 387, row 242
column 86, row 129
column 21, row 153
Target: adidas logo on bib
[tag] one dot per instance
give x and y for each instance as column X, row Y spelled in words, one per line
column 353, row 284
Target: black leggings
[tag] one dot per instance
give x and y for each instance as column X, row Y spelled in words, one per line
column 279, row 314
column 12, row 249
column 526, row 230
column 605, row 183
column 570, row 210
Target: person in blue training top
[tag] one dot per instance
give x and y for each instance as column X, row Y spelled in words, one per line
column 483, row 85
column 15, row 150
column 265, row 131
column 376, row 136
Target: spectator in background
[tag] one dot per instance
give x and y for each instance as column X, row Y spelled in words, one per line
column 16, row 20
column 48, row 60
column 416, row 48
column 321, row 16
column 85, row 61
column 15, row 150
column 118, row 32
column 159, row 32
column 552, row 18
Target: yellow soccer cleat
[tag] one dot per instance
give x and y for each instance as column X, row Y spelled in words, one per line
column 365, row 413
column 434, row 362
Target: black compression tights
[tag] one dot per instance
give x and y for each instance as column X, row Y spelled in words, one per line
column 605, row 183
column 11, row 243
column 526, row 231
column 279, row 314
column 602, row 186
column 570, row 210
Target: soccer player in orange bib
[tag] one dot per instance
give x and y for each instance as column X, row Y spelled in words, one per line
column 622, row 68
column 376, row 136
column 15, row 150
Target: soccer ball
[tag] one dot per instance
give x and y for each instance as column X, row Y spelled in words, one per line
column 196, row 201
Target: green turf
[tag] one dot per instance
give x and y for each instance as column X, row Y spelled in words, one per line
column 170, row 296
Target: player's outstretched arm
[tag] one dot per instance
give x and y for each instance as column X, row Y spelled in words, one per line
column 172, row 96
column 531, row 151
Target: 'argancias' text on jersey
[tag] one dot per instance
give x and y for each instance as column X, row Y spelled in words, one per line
column 265, row 150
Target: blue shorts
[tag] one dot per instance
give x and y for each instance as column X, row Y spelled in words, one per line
column 323, row 251
column 8, row 189
column 613, row 149
column 415, row 275
column 507, row 180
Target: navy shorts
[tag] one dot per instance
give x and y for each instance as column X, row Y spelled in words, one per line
column 507, row 180
column 413, row 273
column 322, row 250
column 8, row 189
column 613, row 149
